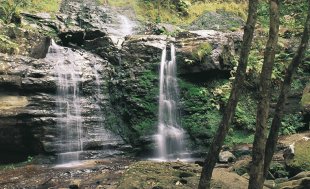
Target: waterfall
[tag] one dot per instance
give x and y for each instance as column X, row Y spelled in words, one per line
column 126, row 27
column 68, row 111
column 170, row 135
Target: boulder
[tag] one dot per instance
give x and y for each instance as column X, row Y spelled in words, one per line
column 302, row 183
column 300, row 161
column 270, row 183
column 226, row 157
column 41, row 49
column 75, row 184
column 301, row 175
column 206, row 50
column 242, row 166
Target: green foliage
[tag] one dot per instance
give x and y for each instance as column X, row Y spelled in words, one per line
column 204, row 49
column 297, row 86
column 202, row 104
column 255, row 63
column 49, row 6
column 7, row 45
column 292, row 13
column 144, row 106
column 236, row 137
column 282, row 61
column 201, row 114
column 181, row 12
column 291, row 123
column 278, row 170
column 134, row 101
column 10, row 8
column 245, row 116
column 256, row 59
column 263, row 13
column 221, row 93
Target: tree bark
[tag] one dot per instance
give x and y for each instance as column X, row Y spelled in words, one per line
column 219, row 138
column 258, row 153
column 285, row 88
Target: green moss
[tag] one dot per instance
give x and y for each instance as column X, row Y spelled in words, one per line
column 134, row 101
column 305, row 100
column 144, row 104
column 200, row 113
column 7, row 45
column 301, row 160
column 145, row 174
column 202, row 50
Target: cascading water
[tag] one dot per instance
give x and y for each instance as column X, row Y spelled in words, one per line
column 69, row 119
column 170, row 135
column 127, row 25
column 124, row 28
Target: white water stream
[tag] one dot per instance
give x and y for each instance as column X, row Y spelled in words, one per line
column 170, row 135
column 69, row 119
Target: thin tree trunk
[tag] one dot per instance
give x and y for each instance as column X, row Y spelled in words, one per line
column 285, row 88
column 219, row 138
column 258, row 153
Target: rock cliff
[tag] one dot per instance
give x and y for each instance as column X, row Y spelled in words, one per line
column 118, row 80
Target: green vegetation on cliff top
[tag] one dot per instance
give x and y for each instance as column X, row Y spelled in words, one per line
column 9, row 9
column 181, row 12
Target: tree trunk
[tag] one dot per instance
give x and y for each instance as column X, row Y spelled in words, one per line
column 218, row 141
column 285, row 88
column 258, row 153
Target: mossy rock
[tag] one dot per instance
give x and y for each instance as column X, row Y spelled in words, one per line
column 146, row 174
column 305, row 100
column 301, row 160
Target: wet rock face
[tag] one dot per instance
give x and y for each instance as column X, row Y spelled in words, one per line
column 21, row 77
column 127, row 69
column 28, row 103
column 134, row 86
